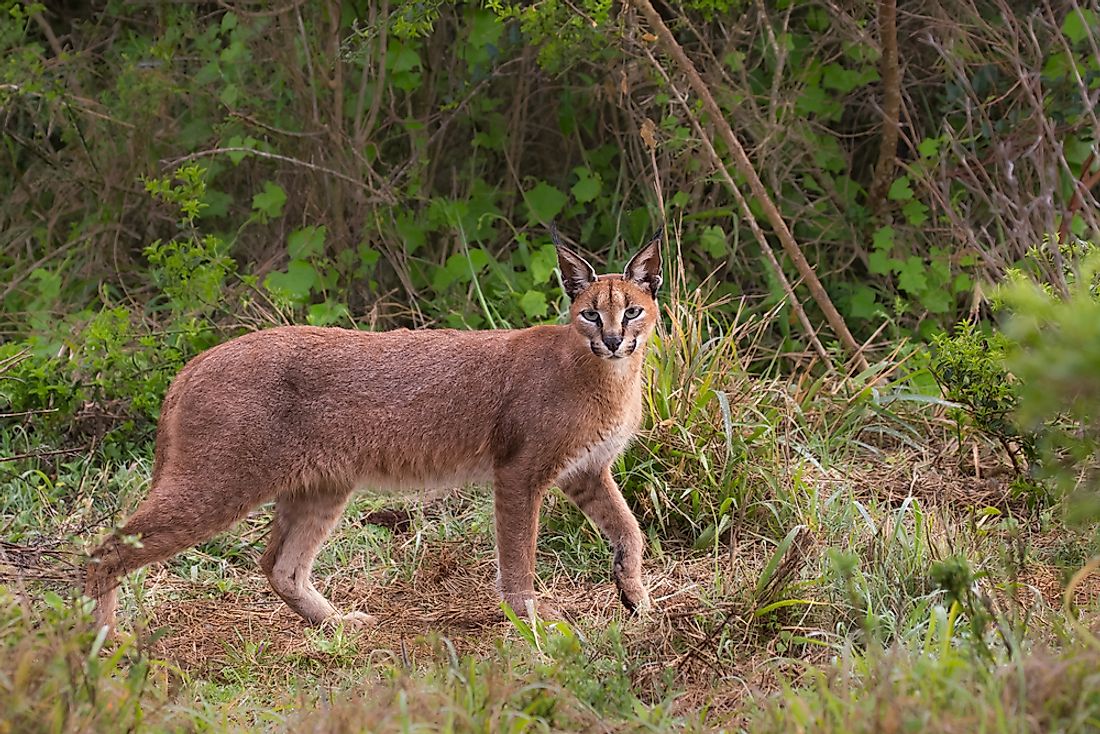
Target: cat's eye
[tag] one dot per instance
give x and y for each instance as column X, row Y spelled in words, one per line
column 632, row 313
column 590, row 315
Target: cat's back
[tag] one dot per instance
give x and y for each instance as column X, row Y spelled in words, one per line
column 308, row 374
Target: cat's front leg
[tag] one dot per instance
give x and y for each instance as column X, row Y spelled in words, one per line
column 594, row 491
column 516, row 503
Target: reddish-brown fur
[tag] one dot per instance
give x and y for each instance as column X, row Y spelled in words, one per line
column 304, row 415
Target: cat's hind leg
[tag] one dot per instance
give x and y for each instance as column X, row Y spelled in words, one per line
column 303, row 520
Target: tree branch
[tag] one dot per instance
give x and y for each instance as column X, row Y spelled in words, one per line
column 891, row 103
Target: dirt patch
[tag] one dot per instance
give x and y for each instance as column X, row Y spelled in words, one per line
column 1050, row 582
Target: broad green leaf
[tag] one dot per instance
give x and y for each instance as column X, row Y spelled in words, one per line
column 713, row 241
column 401, row 57
column 542, row 264
column 929, row 147
column 533, row 304
column 544, row 202
column 879, row 262
column 270, row 201
column 916, row 213
column 883, row 239
column 229, row 95
column 296, row 283
column 813, row 100
column 306, row 242
column 838, row 78
column 324, row 314
column 588, row 187
column 863, row 303
column 485, row 29
column 411, row 232
column 368, row 257
column 1077, row 23
column 899, row 190
column 936, row 300
column 911, row 276
column 457, row 269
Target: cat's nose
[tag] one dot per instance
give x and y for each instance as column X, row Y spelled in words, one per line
column 612, row 342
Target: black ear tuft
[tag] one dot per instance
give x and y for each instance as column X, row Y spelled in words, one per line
column 645, row 267
column 576, row 273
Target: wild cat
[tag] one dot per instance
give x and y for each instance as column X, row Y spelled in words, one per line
column 304, row 416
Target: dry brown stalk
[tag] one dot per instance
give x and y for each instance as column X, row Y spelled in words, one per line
column 746, row 169
column 743, row 204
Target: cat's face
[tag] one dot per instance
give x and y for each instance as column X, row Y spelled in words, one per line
column 615, row 313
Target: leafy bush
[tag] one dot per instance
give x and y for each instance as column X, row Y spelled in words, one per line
column 969, row 366
column 1055, row 354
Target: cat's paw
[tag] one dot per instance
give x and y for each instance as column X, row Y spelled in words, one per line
column 524, row 604
column 352, row 620
column 634, row 596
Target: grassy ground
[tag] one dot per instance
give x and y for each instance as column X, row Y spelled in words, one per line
column 826, row 554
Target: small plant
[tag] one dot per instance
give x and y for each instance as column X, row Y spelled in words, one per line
column 969, row 366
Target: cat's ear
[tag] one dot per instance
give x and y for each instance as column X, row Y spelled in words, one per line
column 576, row 273
column 644, row 268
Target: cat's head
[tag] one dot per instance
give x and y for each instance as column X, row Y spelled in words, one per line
column 615, row 313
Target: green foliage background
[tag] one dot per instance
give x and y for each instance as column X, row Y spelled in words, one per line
column 177, row 173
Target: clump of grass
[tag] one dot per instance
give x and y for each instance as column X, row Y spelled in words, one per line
column 56, row 675
column 906, row 691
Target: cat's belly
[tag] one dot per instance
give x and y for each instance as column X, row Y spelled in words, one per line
column 411, row 482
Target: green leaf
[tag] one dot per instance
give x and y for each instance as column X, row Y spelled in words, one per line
column 402, row 58
column 783, row 603
column 812, row 101
column 533, row 304
column 929, row 147
column 368, row 257
column 713, row 241
column 229, row 95
column 269, row 202
column 899, row 190
column 485, row 29
column 588, row 187
column 411, row 232
column 842, row 80
column 911, row 276
column 544, row 202
column 879, row 262
column 296, row 283
column 306, row 242
column 457, row 269
column 773, row 563
column 916, row 213
column 324, row 314
column 936, row 300
column 883, row 239
column 863, row 303
column 1077, row 23
column 542, row 264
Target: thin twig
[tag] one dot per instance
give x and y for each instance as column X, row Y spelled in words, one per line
column 376, row 197
column 39, row 454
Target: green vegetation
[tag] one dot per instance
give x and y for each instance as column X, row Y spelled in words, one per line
column 899, row 540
